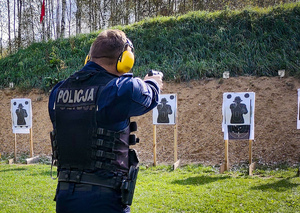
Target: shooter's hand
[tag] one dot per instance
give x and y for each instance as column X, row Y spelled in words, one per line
column 157, row 78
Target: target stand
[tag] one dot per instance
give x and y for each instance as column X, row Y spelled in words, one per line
column 238, row 122
column 21, row 114
column 226, row 166
column 166, row 114
column 176, row 161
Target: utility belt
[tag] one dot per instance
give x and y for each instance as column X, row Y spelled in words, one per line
column 90, row 178
column 118, row 182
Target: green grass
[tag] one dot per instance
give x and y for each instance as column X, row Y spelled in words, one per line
column 192, row 188
column 26, row 189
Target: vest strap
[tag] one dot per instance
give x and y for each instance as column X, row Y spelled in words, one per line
column 102, row 154
column 101, row 165
column 109, row 133
column 101, row 142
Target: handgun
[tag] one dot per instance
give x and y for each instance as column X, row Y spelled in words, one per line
column 155, row 72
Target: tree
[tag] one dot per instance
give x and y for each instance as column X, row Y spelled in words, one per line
column 78, row 16
column 57, row 19
column 19, row 39
column 8, row 27
column 63, row 13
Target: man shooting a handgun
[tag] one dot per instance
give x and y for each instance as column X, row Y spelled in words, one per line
column 90, row 112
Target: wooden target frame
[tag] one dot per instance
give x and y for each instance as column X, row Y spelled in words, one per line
column 21, row 114
column 237, row 126
column 166, row 120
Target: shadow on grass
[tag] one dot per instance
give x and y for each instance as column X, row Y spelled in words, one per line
column 200, row 180
column 32, row 172
column 14, row 169
column 279, row 186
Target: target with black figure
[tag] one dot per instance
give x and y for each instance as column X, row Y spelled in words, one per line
column 165, row 113
column 238, row 116
column 238, row 121
column 21, row 114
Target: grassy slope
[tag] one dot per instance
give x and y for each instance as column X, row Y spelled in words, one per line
column 252, row 41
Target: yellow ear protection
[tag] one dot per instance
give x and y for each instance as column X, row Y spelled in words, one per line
column 87, row 59
column 126, row 59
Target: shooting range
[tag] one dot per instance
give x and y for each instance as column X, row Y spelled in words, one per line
column 238, row 122
column 21, row 114
column 165, row 113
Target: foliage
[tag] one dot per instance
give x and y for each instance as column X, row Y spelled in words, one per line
column 191, row 188
column 252, row 41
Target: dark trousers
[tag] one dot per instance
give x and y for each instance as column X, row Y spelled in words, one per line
column 84, row 198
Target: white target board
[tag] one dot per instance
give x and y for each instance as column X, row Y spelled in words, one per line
column 238, row 115
column 165, row 112
column 298, row 115
column 21, row 114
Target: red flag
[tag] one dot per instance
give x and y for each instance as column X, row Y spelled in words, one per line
column 42, row 11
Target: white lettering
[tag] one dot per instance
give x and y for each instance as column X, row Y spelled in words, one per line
column 84, row 97
column 79, row 95
column 70, row 97
column 60, row 95
column 66, row 96
column 91, row 95
column 75, row 96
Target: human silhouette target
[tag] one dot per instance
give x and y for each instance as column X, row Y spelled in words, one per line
column 165, row 112
column 238, row 115
column 21, row 113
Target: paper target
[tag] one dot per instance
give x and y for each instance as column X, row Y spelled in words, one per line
column 238, row 115
column 21, row 113
column 165, row 112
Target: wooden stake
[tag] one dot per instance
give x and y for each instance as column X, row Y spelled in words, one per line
column 250, row 152
column 222, row 169
column 154, row 145
column 175, row 143
column 226, row 168
column 251, row 168
column 176, row 164
column 15, row 147
column 31, row 143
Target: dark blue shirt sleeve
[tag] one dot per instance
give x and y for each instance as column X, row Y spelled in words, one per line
column 126, row 97
column 144, row 96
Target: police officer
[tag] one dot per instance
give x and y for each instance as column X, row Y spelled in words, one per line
column 90, row 112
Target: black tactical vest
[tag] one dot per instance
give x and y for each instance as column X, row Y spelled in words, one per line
column 79, row 144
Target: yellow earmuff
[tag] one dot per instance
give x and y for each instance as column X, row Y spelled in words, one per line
column 87, row 59
column 125, row 62
column 126, row 59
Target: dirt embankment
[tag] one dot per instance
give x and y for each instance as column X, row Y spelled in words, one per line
column 200, row 136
